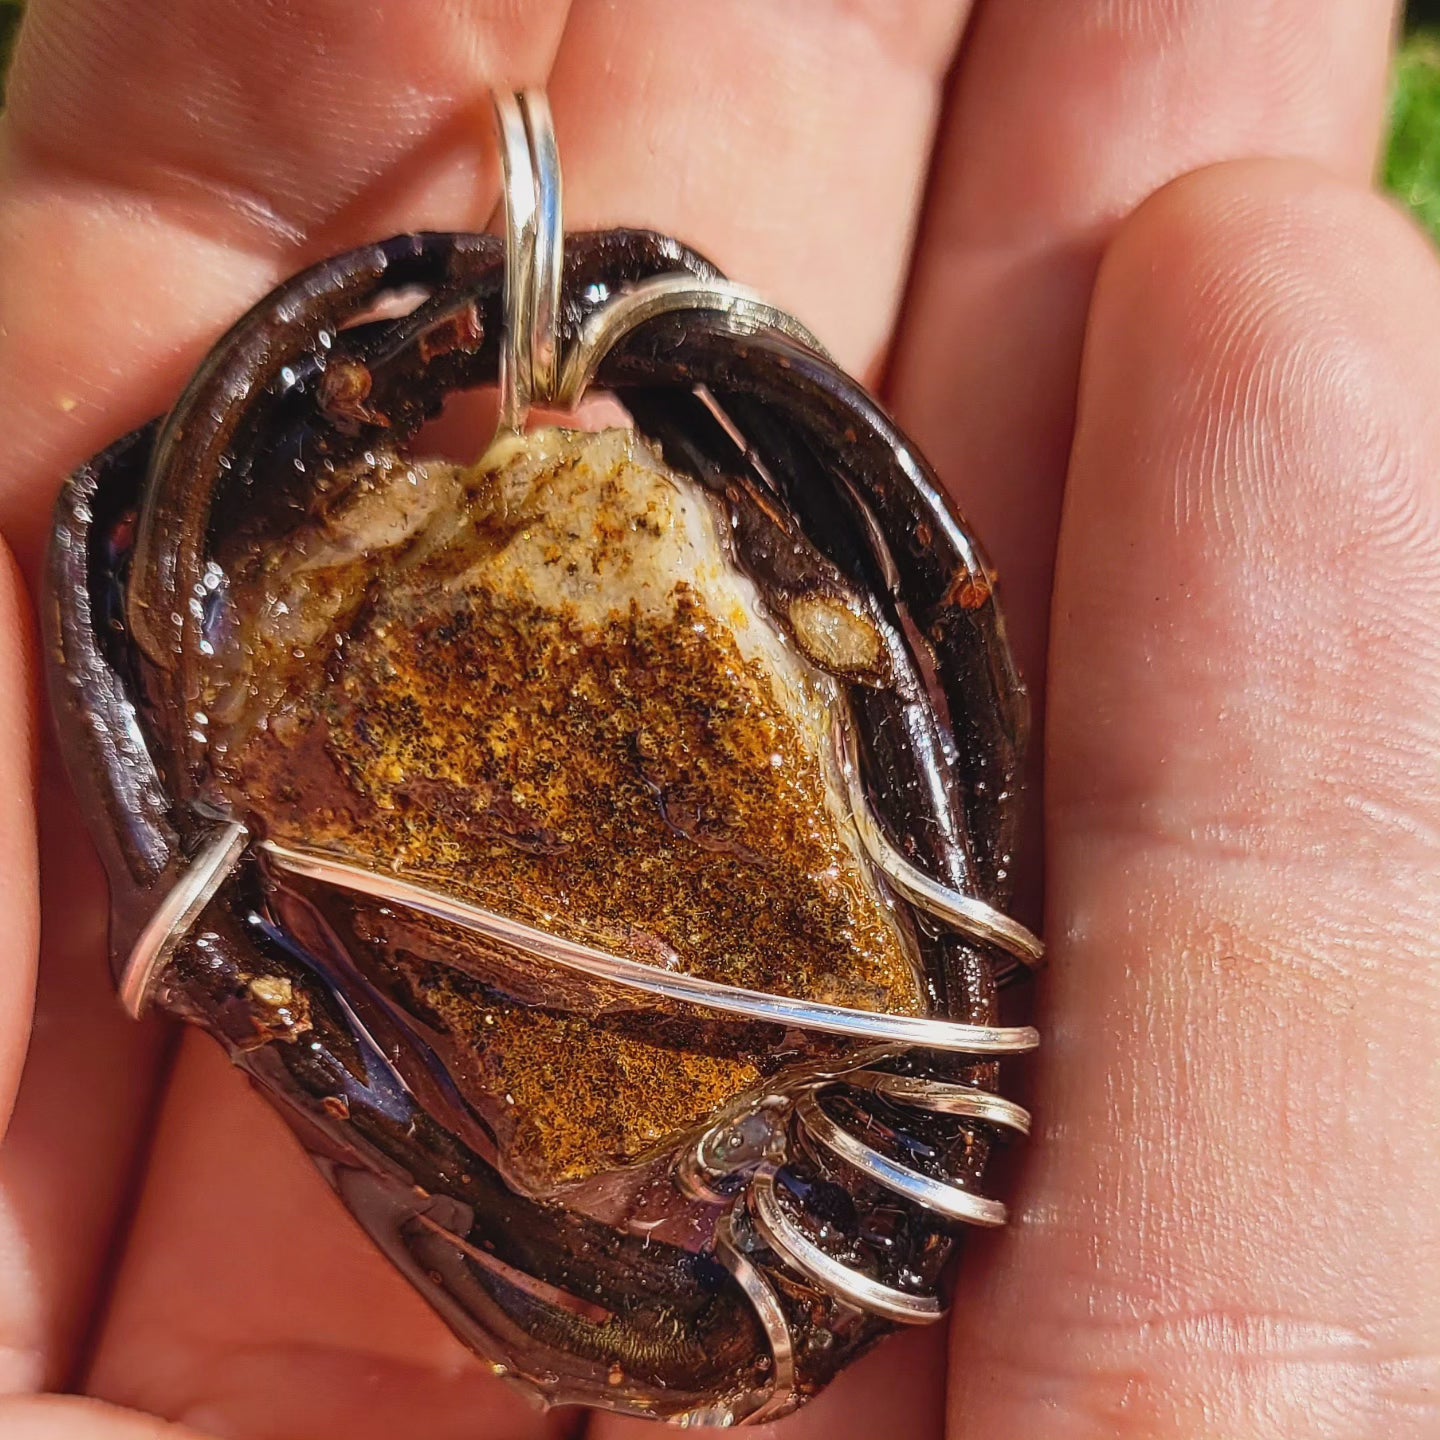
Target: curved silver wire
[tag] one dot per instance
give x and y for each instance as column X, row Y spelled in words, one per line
column 534, row 250
column 217, row 859
column 919, row 1031
column 940, row 1196
column 766, row 1305
column 520, row 207
column 965, row 913
column 785, row 1237
column 943, row 1097
column 628, row 309
column 549, row 248
column 210, row 867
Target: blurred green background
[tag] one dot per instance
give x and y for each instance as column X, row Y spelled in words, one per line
column 9, row 19
column 1412, row 162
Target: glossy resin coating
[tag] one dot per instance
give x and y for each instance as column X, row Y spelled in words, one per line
column 643, row 691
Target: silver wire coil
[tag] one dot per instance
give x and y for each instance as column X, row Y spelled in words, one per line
column 218, row 859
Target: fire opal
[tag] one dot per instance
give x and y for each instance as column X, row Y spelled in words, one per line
column 542, row 685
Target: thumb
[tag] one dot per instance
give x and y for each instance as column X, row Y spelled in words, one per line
column 19, row 897
column 55, row 1417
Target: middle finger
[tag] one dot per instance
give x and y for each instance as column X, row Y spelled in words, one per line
column 1066, row 114
column 788, row 143
column 773, row 162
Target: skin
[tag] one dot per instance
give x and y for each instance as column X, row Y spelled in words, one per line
column 1214, row 395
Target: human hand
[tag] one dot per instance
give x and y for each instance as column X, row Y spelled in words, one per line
column 1224, row 1224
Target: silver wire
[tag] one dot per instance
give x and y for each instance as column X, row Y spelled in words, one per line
column 182, row 906
column 943, row 1097
column 965, row 913
column 785, row 1237
column 744, row 311
column 938, row 1195
column 766, row 1304
column 920, row 1031
column 534, row 253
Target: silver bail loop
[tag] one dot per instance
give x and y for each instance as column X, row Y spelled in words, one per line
column 534, row 249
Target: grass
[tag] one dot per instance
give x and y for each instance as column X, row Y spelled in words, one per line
column 9, row 23
column 1412, row 162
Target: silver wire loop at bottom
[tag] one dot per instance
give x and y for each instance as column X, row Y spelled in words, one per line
column 786, row 1238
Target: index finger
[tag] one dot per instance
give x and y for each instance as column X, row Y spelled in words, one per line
column 161, row 167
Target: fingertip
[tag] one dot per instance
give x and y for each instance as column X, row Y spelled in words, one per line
column 1274, row 281
column 1256, row 470
column 68, row 1417
column 19, row 897
column 1242, row 240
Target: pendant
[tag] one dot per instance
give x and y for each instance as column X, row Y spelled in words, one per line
column 597, row 852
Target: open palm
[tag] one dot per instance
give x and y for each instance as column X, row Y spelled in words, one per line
column 1225, row 1224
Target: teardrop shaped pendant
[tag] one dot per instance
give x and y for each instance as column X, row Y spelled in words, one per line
column 596, row 853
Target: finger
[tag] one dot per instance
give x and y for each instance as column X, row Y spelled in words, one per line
column 85, row 1099
column 1065, row 114
column 55, row 1417
column 1228, row 1222
column 127, row 242
column 163, row 166
column 250, row 1307
column 19, row 902
column 292, row 113
column 793, row 156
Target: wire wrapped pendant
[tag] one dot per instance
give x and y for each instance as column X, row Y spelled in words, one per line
column 598, row 853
